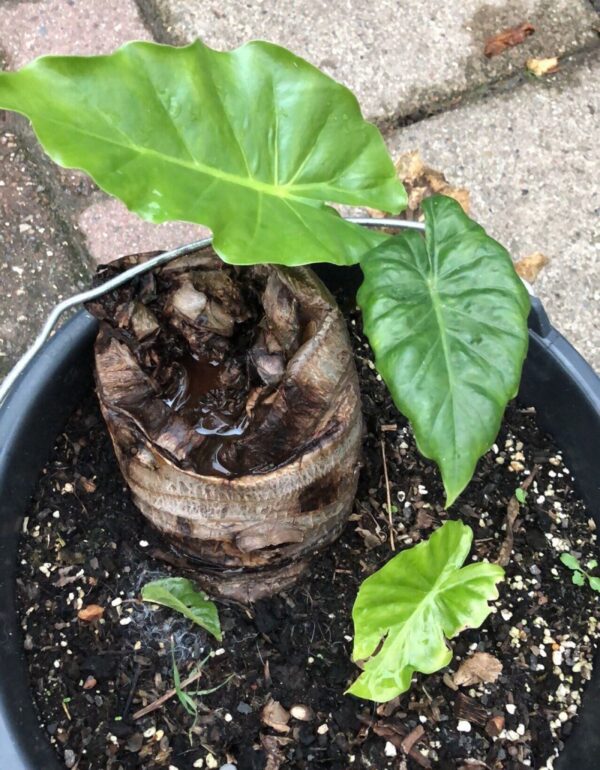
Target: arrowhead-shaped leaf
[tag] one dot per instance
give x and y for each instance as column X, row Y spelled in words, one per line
column 181, row 595
column 446, row 316
column 418, row 599
column 251, row 143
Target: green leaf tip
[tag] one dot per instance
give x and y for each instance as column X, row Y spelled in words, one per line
column 405, row 611
column 181, row 595
column 446, row 316
column 252, row 143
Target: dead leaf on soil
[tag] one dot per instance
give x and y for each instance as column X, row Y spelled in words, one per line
column 370, row 539
column 90, row 613
column 478, row 669
column 275, row 716
column 507, row 39
column 541, row 67
column 420, row 182
column 530, row 267
column 272, row 745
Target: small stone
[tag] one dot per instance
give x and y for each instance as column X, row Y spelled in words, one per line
column 135, row 743
column 301, row 712
column 511, row 708
column 323, row 729
column 149, row 732
column 70, row 758
column 390, row 750
column 244, row 708
column 198, row 763
column 228, row 766
column 463, row 726
column 211, row 761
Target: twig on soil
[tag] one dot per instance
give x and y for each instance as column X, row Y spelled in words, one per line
column 410, row 740
column 512, row 511
column 388, row 494
column 167, row 696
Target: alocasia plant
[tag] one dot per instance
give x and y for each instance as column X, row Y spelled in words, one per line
column 254, row 143
column 447, row 322
column 405, row 611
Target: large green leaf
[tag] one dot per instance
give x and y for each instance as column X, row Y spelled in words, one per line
column 250, row 142
column 418, row 599
column 446, row 316
column 180, row 594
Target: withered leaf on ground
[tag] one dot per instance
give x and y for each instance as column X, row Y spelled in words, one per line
column 420, row 182
column 272, row 744
column 480, row 668
column 507, row 38
column 275, row 716
column 541, row 67
column 530, row 267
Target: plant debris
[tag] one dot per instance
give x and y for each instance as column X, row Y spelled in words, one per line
column 508, row 38
column 530, row 267
column 541, row 67
column 479, row 668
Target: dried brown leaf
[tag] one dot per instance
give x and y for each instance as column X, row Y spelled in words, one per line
column 507, row 39
column 275, row 716
column 478, row 669
column 529, row 267
column 541, row 67
column 371, row 540
column 272, row 745
column 90, row 613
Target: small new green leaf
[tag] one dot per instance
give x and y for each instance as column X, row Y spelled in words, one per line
column 411, row 605
column 594, row 583
column 592, row 564
column 521, row 495
column 578, row 578
column 570, row 561
column 446, row 316
column 251, row 142
column 181, row 595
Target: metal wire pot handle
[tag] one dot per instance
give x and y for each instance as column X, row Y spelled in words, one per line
column 122, row 278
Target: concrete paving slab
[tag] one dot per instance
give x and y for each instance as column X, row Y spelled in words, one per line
column 31, row 29
column 530, row 159
column 400, row 57
column 38, row 264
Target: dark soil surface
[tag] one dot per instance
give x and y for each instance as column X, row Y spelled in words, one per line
column 85, row 543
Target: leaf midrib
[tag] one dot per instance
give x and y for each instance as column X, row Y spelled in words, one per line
column 251, row 183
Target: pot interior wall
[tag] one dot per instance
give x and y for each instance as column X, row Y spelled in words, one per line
column 562, row 387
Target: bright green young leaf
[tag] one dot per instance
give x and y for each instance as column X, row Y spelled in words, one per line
column 251, row 143
column 578, row 578
column 592, row 564
column 570, row 561
column 446, row 315
column 594, row 583
column 180, row 594
column 520, row 494
column 420, row 598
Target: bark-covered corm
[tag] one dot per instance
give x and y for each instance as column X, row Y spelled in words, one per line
column 232, row 399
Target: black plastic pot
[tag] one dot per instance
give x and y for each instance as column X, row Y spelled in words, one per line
column 557, row 381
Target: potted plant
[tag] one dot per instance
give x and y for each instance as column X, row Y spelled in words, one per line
column 253, row 143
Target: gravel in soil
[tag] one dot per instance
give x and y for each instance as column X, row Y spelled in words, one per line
column 284, row 662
